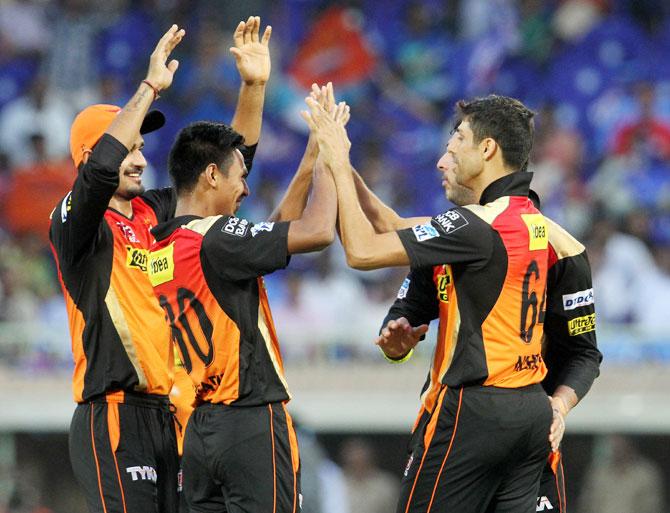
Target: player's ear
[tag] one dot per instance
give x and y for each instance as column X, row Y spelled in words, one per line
column 211, row 174
column 85, row 156
column 488, row 148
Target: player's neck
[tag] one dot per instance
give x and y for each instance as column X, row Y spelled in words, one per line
column 122, row 205
column 196, row 205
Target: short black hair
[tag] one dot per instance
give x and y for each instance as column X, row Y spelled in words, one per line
column 198, row 145
column 505, row 120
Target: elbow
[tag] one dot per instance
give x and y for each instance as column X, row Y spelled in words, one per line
column 359, row 261
column 322, row 237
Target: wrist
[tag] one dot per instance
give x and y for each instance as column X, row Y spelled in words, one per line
column 260, row 84
column 560, row 404
column 151, row 84
column 398, row 359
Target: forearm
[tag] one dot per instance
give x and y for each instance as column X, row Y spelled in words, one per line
column 248, row 115
column 316, row 227
column 355, row 229
column 294, row 200
column 127, row 123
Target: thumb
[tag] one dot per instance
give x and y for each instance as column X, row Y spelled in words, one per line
column 173, row 65
column 420, row 330
column 236, row 52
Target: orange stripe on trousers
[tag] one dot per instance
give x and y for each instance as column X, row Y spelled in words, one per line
column 114, row 428
column 427, row 439
column 451, row 442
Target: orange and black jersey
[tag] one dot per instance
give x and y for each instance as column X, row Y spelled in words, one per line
column 207, row 274
column 120, row 340
column 482, row 269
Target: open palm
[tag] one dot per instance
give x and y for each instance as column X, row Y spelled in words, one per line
column 252, row 53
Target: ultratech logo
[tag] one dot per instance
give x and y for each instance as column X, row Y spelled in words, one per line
column 543, row 503
column 144, row 473
column 451, row 221
column 137, row 258
column 581, row 298
column 581, row 325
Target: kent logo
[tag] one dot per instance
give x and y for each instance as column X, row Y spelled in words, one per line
column 144, row 473
column 543, row 503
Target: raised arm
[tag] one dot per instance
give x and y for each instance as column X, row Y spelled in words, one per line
column 252, row 56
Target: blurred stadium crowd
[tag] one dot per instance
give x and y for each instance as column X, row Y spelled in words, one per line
column 596, row 72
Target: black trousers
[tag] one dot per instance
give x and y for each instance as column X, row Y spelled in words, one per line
column 552, row 486
column 481, row 450
column 241, row 459
column 123, row 452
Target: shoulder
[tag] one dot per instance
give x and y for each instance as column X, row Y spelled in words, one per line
column 563, row 244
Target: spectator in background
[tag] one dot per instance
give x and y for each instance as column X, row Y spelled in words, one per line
column 369, row 489
column 621, row 480
column 38, row 111
column 24, row 28
column 70, row 66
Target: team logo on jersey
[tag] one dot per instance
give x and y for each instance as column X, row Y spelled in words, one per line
column 128, row 232
column 402, row 292
column 137, row 258
column 161, row 265
column 538, row 237
column 261, row 227
column 581, row 298
column 65, row 207
column 424, row 232
column 581, row 325
column 543, row 503
column 236, row 226
column 450, row 221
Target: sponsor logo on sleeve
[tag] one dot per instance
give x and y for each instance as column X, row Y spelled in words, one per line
column 65, row 207
column 538, row 237
column 404, row 288
column 583, row 324
column 424, row 232
column 581, row 298
column 261, row 227
column 543, row 503
column 443, row 282
column 450, row 221
column 161, row 265
column 236, row 226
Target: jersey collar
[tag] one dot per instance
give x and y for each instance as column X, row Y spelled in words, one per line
column 164, row 230
column 514, row 184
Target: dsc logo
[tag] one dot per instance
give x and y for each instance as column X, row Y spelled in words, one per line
column 144, row 473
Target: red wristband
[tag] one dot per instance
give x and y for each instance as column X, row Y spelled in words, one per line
column 155, row 89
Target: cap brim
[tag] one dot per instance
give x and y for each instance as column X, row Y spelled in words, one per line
column 152, row 121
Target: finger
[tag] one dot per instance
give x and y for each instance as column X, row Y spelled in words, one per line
column 238, row 35
column 315, row 92
column 331, row 93
column 266, row 35
column 248, row 27
column 347, row 116
column 237, row 53
column 173, row 65
column 385, row 333
column 174, row 41
column 255, row 29
column 308, row 119
column 392, row 325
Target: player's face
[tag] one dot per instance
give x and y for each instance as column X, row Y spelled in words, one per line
column 130, row 172
column 235, row 188
column 465, row 153
column 456, row 193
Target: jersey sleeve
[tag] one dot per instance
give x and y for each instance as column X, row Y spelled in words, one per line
column 571, row 351
column 417, row 299
column 162, row 201
column 248, row 152
column 77, row 218
column 238, row 249
column 453, row 237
